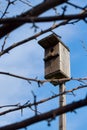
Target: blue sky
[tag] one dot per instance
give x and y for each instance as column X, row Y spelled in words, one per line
column 27, row 60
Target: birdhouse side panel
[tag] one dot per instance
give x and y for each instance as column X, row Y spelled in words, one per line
column 64, row 60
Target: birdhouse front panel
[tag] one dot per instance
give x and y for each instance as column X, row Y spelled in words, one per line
column 51, row 61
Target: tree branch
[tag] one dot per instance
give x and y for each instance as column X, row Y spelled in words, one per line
column 8, row 5
column 68, row 108
column 75, row 6
column 29, row 105
column 42, row 81
column 79, row 16
column 35, row 11
column 33, row 37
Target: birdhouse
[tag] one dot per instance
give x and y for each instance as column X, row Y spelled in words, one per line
column 56, row 58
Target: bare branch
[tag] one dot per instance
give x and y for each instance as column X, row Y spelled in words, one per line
column 58, row 81
column 26, row 2
column 36, row 11
column 4, row 42
column 8, row 5
column 79, row 16
column 75, row 6
column 33, row 16
column 29, row 105
column 33, row 37
column 68, row 108
column 21, row 77
column 35, row 104
column 16, row 105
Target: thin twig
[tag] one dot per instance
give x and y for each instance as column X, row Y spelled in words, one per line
column 4, row 42
column 15, row 105
column 84, row 46
column 74, row 5
column 26, row 2
column 35, row 105
column 8, row 5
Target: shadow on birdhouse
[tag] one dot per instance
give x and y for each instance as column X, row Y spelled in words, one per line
column 56, row 58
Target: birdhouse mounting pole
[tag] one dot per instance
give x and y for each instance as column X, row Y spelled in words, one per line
column 57, row 66
column 62, row 102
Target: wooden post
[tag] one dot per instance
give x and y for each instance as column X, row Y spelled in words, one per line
column 62, row 102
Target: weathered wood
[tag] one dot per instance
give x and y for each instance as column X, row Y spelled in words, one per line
column 62, row 102
column 57, row 58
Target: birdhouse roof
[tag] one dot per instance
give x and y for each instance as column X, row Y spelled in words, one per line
column 50, row 41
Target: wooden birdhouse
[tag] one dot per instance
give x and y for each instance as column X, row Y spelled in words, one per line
column 56, row 58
